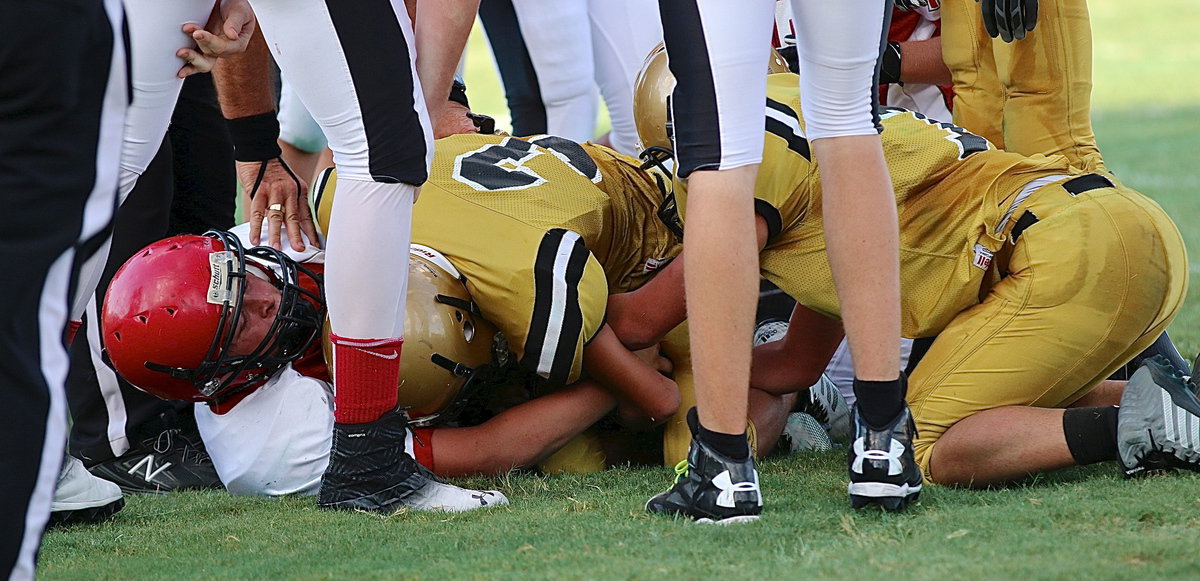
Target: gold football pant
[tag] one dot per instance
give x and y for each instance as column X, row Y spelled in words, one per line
column 1029, row 96
column 1093, row 279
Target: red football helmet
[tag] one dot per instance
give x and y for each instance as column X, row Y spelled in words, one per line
column 171, row 311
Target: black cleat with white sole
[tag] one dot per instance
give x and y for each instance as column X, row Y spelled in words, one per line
column 369, row 470
column 882, row 468
column 710, row 488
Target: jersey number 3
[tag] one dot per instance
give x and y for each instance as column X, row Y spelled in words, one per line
column 503, row 166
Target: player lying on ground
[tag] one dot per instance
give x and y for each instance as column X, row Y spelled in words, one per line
column 511, row 262
column 1039, row 281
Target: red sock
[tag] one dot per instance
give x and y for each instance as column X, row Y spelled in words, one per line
column 72, row 328
column 366, row 373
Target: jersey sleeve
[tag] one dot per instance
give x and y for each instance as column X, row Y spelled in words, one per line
column 570, row 294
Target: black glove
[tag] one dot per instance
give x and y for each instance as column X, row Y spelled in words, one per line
column 1009, row 19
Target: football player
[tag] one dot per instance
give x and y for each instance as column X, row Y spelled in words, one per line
column 243, row 325
column 540, row 231
column 717, row 48
column 1030, row 95
column 1038, row 280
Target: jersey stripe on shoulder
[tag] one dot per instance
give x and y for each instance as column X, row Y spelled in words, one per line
column 783, row 122
column 557, row 320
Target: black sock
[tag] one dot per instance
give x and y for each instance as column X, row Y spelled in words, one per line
column 879, row 402
column 1091, row 433
column 732, row 446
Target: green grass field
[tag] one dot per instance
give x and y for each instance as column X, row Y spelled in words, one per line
column 1080, row 523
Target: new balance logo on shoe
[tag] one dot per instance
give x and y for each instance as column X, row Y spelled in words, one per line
column 147, row 470
column 728, row 489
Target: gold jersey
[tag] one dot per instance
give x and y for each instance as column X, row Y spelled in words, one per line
column 954, row 196
column 542, row 229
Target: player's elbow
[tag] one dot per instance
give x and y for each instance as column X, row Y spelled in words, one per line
column 653, row 411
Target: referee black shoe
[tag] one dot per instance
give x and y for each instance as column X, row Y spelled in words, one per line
column 882, row 468
column 369, row 470
column 711, row 488
column 173, row 459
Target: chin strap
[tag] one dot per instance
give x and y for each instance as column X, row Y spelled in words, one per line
column 654, row 160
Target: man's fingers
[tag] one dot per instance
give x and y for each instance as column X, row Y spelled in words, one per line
column 239, row 20
column 275, row 221
column 293, row 224
column 256, row 220
column 310, row 229
column 195, row 62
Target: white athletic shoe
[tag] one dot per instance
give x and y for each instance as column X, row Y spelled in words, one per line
column 824, row 402
column 436, row 495
column 769, row 331
column 805, row 433
column 80, row 497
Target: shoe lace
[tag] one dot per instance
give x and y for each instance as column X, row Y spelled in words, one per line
column 190, row 452
column 681, row 469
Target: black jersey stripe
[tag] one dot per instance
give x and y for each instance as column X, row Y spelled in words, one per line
column 698, row 139
column 795, row 142
column 557, row 320
column 318, row 194
column 784, row 109
column 771, row 215
column 376, row 50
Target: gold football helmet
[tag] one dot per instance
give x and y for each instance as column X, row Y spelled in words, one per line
column 651, row 111
column 446, row 339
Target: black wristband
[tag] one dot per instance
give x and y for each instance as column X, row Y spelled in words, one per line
column 255, row 138
column 889, row 69
column 458, row 93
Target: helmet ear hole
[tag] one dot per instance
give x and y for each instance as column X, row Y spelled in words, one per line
column 458, row 316
column 468, row 329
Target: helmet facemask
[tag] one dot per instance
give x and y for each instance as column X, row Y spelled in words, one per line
column 297, row 321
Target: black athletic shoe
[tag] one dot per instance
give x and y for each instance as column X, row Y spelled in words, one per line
column 174, row 459
column 370, row 471
column 1162, row 346
column 711, row 488
column 882, row 468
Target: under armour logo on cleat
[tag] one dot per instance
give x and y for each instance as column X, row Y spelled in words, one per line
column 481, row 497
column 896, row 449
column 728, row 489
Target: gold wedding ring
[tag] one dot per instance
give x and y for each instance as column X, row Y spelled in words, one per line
column 275, row 207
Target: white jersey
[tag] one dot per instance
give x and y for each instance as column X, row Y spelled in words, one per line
column 276, row 441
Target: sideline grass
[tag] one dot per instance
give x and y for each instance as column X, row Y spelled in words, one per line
column 1081, row 523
